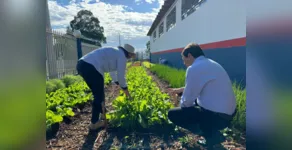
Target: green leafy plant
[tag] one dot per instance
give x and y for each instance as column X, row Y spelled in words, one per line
column 148, row 107
column 53, row 85
column 71, row 79
column 147, row 64
column 68, row 80
column 107, row 78
column 50, row 87
column 52, row 118
column 61, row 102
column 185, row 140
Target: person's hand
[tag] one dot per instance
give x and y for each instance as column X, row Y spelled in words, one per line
column 172, row 91
column 176, row 90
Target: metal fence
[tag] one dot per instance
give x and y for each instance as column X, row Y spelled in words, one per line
column 61, row 54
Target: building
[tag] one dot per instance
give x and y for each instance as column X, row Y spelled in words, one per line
column 218, row 26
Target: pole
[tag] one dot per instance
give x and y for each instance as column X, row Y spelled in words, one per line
column 119, row 39
column 79, row 48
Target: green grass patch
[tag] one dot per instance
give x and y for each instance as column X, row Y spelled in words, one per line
column 175, row 77
column 239, row 120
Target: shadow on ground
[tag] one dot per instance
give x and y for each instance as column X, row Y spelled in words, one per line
column 90, row 140
column 158, row 138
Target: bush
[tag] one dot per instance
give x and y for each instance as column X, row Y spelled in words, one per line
column 71, row 79
column 53, row 85
column 50, row 87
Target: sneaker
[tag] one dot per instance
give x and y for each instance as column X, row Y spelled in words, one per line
column 97, row 125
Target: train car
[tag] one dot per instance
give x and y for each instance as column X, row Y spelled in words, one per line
column 218, row 26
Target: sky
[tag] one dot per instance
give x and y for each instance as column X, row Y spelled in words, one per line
column 131, row 18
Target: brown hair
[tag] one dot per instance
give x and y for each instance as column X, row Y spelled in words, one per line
column 194, row 49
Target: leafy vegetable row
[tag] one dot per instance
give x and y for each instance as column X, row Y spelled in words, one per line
column 60, row 103
column 149, row 106
column 55, row 84
column 147, row 64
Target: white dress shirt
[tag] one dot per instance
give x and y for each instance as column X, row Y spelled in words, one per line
column 209, row 83
column 109, row 59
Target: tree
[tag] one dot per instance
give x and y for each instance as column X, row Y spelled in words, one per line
column 88, row 26
column 147, row 50
column 148, row 47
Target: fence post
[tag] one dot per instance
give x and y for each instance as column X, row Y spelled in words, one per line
column 79, row 48
column 77, row 34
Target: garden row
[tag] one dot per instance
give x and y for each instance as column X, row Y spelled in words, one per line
column 148, row 106
column 63, row 95
column 176, row 79
column 56, row 84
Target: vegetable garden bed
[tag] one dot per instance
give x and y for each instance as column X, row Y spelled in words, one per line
column 137, row 124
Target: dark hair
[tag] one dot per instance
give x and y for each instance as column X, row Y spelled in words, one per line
column 194, row 49
column 125, row 52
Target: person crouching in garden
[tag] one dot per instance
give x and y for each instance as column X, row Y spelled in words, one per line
column 92, row 67
column 207, row 98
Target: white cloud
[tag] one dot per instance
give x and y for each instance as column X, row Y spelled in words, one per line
column 150, row 1
column 138, row 2
column 161, row 2
column 156, row 10
column 114, row 18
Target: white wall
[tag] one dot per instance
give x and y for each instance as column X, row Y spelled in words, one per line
column 214, row 21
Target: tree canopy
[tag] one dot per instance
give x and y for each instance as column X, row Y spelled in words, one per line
column 89, row 26
column 148, row 47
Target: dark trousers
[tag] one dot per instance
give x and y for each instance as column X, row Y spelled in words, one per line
column 95, row 82
column 191, row 116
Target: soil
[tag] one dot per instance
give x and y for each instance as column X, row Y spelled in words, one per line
column 74, row 133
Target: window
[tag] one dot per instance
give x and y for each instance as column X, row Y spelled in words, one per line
column 161, row 29
column 154, row 36
column 189, row 6
column 171, row 19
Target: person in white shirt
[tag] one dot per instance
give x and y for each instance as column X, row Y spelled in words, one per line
column 207, row 98
column 92, row 67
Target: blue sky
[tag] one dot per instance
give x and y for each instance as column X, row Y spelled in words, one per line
column 131, row 18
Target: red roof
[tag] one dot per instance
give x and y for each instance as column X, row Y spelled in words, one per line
column 167, row 4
